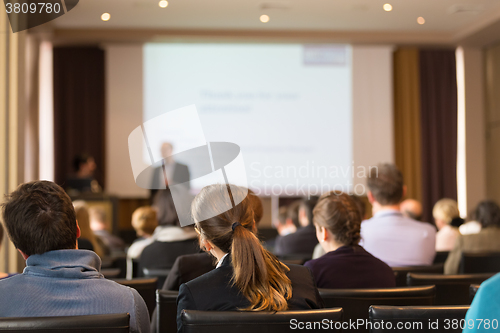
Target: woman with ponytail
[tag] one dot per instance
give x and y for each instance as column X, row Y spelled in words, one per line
column 337, row 219
column 247, row 277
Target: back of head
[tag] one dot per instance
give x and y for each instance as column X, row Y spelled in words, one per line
column 445, row 210
column 307, row 204
column 39, row 217
column 488, row 214
column 385, row 182
column 257, row 273
column 412, row 208
column 1, row 233
column 360, row 204
column 144, row 221
column 340, row 215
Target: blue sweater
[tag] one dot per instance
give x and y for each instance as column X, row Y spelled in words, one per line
column 68, row 283
column 484, row 312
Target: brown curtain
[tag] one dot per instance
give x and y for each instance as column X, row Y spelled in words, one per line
column 438, row 89
column 79, row 109
column 407, row 119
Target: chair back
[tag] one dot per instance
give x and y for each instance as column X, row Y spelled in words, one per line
column 356, row 302
column 441, row 257
column 485, row 262
column 160, row 274
column 402, row 272
column 108, row 323
column 416, row 319
column 166, row 311
column 472, row 291
column 450, row 289
column 262, row 322
column 145, row 287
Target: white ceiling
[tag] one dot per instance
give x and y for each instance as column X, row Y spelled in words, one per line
column 331, row 15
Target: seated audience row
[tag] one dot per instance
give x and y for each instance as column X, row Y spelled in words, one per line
column 487, row 214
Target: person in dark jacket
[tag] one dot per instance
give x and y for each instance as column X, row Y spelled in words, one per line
column 247, row 277
column 337, row 220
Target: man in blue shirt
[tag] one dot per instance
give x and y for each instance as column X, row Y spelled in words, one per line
column 393, row 238
column 59, row 279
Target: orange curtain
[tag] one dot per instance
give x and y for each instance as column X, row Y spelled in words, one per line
column 407, row 126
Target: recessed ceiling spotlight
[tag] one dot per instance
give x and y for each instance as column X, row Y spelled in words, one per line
column 387, row 7
column 420, row 20
column 106, row 17
column 264, row 18
column 163, row 3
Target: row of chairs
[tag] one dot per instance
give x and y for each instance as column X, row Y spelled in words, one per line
column 382, row 319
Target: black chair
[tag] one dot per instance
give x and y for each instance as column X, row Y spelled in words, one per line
column 261, row 322
column 108, row 323
column 111, row 273
column 441, row 257
column 356, row 302
column 472, row 291
column 484, row 262
column 166, row 311
column 401, row 272
column 450, row 289
column 160, row 274
column 145, row 287
column 416, row 319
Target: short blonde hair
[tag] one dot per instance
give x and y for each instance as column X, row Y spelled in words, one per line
column 446, row 210
column 144, row 220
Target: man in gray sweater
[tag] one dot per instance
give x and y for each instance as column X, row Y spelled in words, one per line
column 59, row 279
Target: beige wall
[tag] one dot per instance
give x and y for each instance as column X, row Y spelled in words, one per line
column 12, row 110
column 492, row 104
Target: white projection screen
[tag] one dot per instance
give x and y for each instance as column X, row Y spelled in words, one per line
column 308, row 118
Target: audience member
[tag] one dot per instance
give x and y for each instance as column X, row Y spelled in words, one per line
column 484, row 312
column 83, row 179
column 444, row 212
column 337, row 220
column 169, row 239
column 411, row 208
column 318, row 250
column 3, row 275
column 303, row 241
column 470, row 227
column 247, row 276
column 87, row 239
column 99, row 224
column 388, row 235
column 58, row 280
column 487, row 240
column 144, row 222
column 190, row 266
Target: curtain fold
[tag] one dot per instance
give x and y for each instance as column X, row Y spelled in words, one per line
column 407, row 127
column 79, row 109
column 438, row 90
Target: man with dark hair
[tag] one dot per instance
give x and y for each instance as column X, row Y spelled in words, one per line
column 389, row 235
column 59, row 279
column 302, row 241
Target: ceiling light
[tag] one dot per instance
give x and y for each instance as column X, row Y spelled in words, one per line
column 163, row 3
column 387, row 7
column 420, row 20
column 264, row 18
column 105, row 17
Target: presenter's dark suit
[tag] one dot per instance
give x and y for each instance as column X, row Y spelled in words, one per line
column 351, row 267
column 214, row 291
column 180, row 175
column 301, row 242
